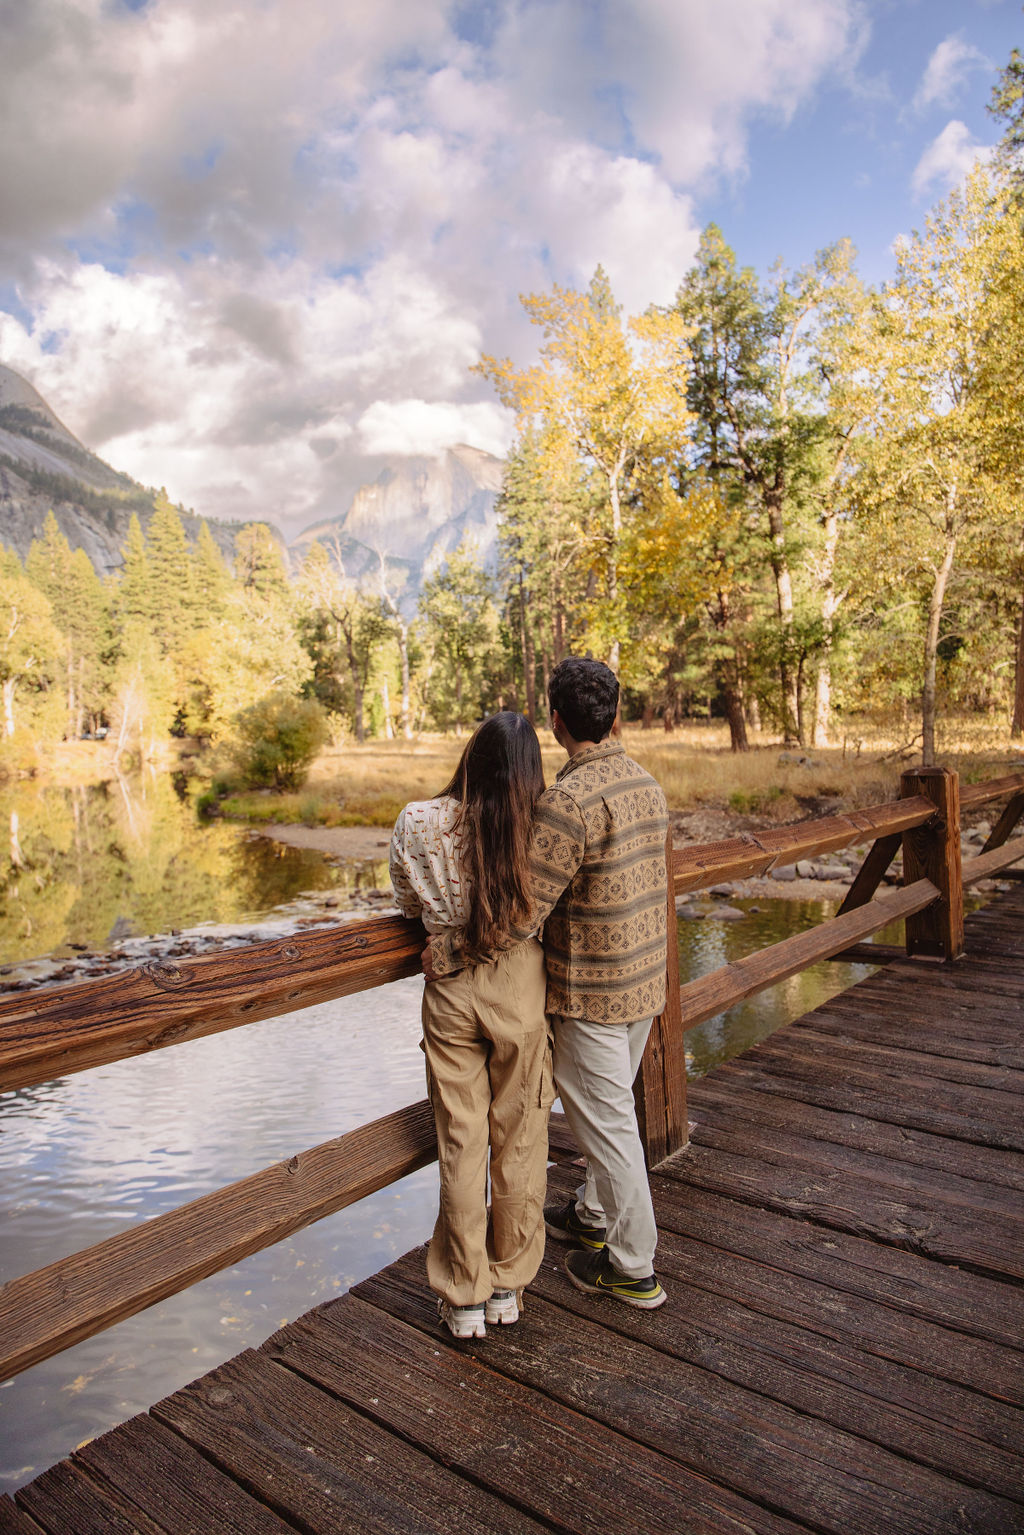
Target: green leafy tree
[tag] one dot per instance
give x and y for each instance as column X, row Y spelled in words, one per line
column 277, row 739
column 462, row 636
column 612, row 390
column 348, row 624
column 31, row 646
column 79, row 610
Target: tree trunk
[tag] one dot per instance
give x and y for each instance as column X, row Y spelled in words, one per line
column 403, row 656
column 357, row 709
column 752, row 711
column 385, row 703
column 1017, row 728
column 826, row 570
column 9, row 690
column 784, row 602
column 529, row 660
column 931, row 650
column 734, row 714
column 545, row 668
column 613, row 560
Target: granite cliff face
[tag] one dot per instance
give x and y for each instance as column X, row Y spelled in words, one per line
column 43, row 467
column 415, row 513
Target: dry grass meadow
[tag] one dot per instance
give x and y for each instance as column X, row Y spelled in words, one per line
column 367, row 785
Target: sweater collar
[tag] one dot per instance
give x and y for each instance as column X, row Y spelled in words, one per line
column 591, row 754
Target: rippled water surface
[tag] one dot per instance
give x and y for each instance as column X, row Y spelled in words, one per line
column 85, row 1156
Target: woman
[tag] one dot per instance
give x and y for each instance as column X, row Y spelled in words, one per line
column 462, row 860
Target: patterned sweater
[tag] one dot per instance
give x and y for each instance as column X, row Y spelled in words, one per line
column 599, row 885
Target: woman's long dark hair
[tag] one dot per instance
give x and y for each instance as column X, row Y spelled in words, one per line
column 497, row 783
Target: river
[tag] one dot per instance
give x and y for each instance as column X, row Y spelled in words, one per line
column 87, row 1155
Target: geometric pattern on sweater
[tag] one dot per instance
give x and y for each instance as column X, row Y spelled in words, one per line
column 598, row 878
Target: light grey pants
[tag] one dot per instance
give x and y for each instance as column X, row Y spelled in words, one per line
column 595, row 1064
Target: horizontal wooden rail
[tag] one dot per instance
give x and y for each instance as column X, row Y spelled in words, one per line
column 694, row 868
column 722, row 988
column 986, row 864
column 54, row 1307
column 974, row 794
column 63, row 1029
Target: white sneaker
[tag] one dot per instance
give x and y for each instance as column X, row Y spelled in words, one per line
column 504, row 1307
column 463, row 1321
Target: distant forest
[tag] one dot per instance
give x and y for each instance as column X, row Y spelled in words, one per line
column 791, row 502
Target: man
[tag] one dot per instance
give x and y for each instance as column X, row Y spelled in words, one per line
column 599, row 885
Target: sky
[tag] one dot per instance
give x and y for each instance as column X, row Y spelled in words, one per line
column 249, row 250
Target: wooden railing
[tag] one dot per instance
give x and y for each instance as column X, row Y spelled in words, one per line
column 63, row 1029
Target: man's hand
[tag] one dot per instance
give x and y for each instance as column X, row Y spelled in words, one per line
column 427, row 961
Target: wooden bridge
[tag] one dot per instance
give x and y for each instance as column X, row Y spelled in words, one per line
column 841, row 1235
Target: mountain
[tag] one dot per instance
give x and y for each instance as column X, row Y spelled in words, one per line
column 415, row 512
column 44, row 467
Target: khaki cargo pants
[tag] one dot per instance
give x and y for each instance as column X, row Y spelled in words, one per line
column 485, row 1035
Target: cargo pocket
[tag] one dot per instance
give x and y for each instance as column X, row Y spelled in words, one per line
column 547, row 1095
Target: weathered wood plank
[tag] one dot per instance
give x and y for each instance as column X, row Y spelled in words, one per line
column 974, row 794
column 62, row 1029
column 66, row 1501
column 14, row 1521
column 967, row 1034
column 736, row 1106
column 951, row 1324
column 50, row 1309
column 1000, row 832
column 720, row 989
column 660, row 1087
column 942, row 1108
column 932, row 852
column 321, row 1465
column 155, row 1474
column 908, row 1411
column 805, row 1042
column 869, row 875
column 991, row 1244
column 796, row 1152
column 984, row 865
column 703, row 864
column 543, row 1458
column 756, row 1444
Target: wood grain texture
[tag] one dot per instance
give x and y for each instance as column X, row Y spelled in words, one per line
column 752, row 855
column 869, row 875
column 50, row 1309
column 325, row 1466
column 975, row 794
column 1000, row 832
column 758, row 1445
column 722, row 988
column 932, row 852
column 62, row 1029
column 660, row 1087
column 520, row 1444
column 14, row 1521
column 985, row 865
column 156, row 1475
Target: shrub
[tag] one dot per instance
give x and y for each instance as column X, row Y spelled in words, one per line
column 277, row 739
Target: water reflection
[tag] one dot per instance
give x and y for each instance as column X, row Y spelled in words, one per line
column 89, row 866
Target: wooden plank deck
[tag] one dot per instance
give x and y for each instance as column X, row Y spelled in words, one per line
column 843, row 1350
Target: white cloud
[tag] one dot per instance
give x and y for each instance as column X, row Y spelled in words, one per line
column 946, row 71
column 947, row 160
column 423, row 427
column 255, row 242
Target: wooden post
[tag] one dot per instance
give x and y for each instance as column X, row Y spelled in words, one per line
column 660, row 1086
column 932, row 852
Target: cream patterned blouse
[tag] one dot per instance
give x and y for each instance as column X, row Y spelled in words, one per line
column 425, row 864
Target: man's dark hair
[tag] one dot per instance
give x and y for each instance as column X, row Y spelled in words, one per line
column 586, row 695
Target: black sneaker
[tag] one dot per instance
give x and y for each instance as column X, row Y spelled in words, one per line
column 564, row 1225
column 596, row 1274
